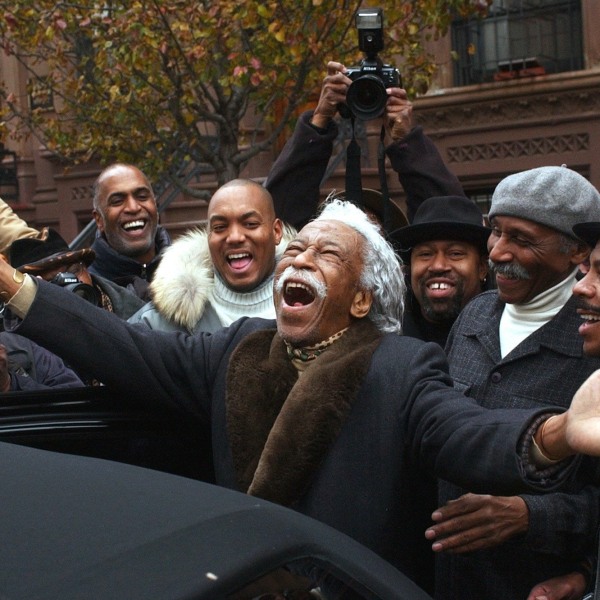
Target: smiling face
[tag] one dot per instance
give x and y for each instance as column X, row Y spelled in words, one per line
column 126, row 212
column 587, row 291
column 445, row 275
column 529, row 258
column 317, row 283
column 243, row 234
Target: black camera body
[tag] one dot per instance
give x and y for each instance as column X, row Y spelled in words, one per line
column 71, row 283
column 388, row 75
column 367, row 96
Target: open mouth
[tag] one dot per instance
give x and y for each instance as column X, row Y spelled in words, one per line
column 239, row 260
column 134, row 225
column 593, row 318
column 439, row 286
column 297, row 294
column 438, row 290
column 589, row 320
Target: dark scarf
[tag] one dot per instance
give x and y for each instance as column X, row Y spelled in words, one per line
column 280, row 427
column 120, row 268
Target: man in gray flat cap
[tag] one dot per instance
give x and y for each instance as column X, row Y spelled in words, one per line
column 518, row 346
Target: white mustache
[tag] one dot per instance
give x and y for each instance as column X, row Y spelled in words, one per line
column 307, row 277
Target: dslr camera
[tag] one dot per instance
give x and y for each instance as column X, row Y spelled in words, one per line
column 366, row 97
column 71, row 283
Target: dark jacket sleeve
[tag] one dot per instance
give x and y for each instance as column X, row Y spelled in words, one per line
column 296, row 175
column 421, row 170
column 563, row 524
column 453, row 437
column 32, row 367
column 295, row 178
column 448, row 433
column 21, row 382
column 154, row 367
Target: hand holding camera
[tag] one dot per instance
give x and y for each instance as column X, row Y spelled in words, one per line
column 398, row 112
column 367, row 95
column 374, row 92
column 333, row 93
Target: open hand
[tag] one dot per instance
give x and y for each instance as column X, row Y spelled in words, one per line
column 583, row 417
column 474, row 522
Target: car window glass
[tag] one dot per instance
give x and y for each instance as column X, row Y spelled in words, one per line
column 305, row 579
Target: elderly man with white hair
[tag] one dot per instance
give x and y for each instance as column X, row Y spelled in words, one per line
column 325, row 409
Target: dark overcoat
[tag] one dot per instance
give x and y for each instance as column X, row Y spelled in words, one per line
column 352, row 452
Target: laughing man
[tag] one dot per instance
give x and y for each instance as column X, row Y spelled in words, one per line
column 129, row 240
column 210, row 278
column 303, row 410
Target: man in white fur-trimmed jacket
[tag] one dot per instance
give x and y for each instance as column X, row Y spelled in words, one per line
column 209, row 278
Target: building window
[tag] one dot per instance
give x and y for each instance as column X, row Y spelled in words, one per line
column 518, row 38
column 483, row 199
column 9, row 181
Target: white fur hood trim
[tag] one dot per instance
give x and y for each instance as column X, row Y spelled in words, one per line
column 183, row 281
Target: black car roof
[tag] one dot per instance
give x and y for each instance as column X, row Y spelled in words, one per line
column 79, row 527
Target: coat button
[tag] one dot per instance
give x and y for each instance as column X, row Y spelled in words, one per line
column 496, row 377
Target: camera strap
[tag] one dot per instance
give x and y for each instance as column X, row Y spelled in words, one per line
column 353, row 175
column 385, row 194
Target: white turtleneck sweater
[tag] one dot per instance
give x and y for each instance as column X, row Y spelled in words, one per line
column 519, row 321
column 231, row 306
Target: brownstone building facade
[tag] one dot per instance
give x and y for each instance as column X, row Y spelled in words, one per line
column 531, row 93
column 522, row 91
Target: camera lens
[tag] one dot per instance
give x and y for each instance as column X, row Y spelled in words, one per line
column 71, row 283
column 367, row 97
column 87, row 292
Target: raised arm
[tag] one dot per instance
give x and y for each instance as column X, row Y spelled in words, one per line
column 418, row 163
column 12, row 227
column 295, row 177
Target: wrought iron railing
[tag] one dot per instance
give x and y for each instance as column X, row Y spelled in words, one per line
column 518, row 38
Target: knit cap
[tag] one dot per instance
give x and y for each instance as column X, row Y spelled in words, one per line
column 557, row 197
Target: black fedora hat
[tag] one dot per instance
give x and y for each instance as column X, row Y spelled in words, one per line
column 34, row 255
column 444, row 218
column 588, row 232
column 372, row 200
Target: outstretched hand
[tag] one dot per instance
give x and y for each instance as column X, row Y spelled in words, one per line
column 583, row 417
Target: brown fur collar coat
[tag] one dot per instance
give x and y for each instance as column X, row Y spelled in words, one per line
column 280, row 426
